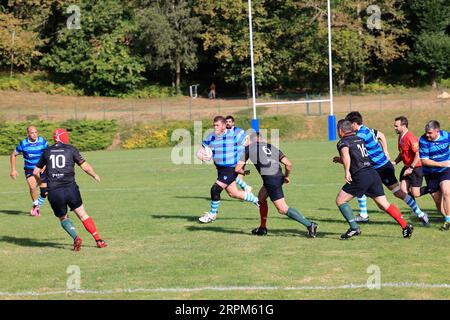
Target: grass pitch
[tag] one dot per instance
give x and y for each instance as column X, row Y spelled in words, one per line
column 147, row 209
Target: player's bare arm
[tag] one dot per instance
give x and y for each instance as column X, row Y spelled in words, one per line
column 287, row 168
column 12, row 159
column 345, row 156
column 240, row 167
column 90, row 171
column 337, row 160
column 383, row 142
column 432, row 163
column 413, row 164
column 397, row 160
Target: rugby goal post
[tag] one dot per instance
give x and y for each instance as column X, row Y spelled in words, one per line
column 331, row 116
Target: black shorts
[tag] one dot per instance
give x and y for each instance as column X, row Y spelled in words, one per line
column 274, row 187
column 434, row 179
column 414, row 179
column 29, row 173
column 64, row 196
column 365, row 182
column 387, row 174
column 226, row 175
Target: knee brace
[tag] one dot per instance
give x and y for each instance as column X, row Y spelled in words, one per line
column 216, row 190
column 44, row 192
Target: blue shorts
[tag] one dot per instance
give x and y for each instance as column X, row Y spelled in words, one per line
column 226, row 175
column 434, row 179
column 387, row 174
column 29, row 173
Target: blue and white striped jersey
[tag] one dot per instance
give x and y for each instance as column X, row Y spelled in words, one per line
column 228, row 147
column 376, row 154
column 32, row 151
column 435, row 150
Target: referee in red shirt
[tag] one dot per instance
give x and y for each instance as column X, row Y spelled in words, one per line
column 411, row 176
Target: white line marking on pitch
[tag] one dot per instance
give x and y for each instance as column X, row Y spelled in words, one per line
column 176, row 290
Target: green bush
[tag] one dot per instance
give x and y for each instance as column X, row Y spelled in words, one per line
column 386, row 88
column 445, row 83
column 85, row 135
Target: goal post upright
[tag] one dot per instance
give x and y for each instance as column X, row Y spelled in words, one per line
column 331, row 116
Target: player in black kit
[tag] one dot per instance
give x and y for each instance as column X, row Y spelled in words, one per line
column 361, row 178
column 267, row 159
column 59, row 161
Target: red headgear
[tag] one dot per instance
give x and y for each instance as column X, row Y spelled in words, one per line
column 61, row 135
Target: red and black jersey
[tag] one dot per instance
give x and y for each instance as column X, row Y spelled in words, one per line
column 60, row 160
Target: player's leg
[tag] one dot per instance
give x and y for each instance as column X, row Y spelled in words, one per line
column 43, row 189
column 242, row 184
column 395, row 213
column 263, row 212
column 75, row 203
column 215, row 192
column 414, row 185
column 32, row 187
column 445, row 190
column 342, row 200
column 294, row 214
column 57, row 200
column 396, row 190
column 233, row 192
column 363, row 216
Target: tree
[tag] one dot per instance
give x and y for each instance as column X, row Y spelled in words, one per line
column 97, row 56
column 166, row 37
column 18, row 46
column 431, row 50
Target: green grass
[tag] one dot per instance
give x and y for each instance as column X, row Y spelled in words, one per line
column 146, row 208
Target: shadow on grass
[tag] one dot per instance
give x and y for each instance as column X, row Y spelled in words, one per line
column 277, row 232
column 14, row 212
column 193, row 218
column 27, row 242
column 203, row 198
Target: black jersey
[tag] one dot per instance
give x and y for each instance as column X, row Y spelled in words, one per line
column 265, row 157
column 358, row 152
column 59, row 161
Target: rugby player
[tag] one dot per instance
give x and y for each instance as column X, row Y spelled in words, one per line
column 240, row 178
column 380, row 161
column 31, row 147
column 361, row 178
column 59, row 161
column 435, row 156
column 227, row 148
column 411, row 176
column 267, row 159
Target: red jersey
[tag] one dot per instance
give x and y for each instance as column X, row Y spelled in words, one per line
column 408, row 145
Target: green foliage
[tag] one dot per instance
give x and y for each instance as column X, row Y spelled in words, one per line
column 432, row 55
column 37, row 82
column 85, row 135
column 385, row 88
column 98, row 57
column 445, row 83
column 166, row 36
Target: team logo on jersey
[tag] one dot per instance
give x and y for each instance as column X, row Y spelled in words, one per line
column 267, row 150
column 225, row 177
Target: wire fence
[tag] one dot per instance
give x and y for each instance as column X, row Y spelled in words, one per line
column 186, row 108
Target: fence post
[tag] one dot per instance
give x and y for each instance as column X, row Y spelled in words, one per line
column 190, row 108
column 350, row 101
column 161, row 107
column 75, row 111
column 307, row 104
column 381, row 102
column 18, row 114
column 132, row 113
column 320, row 105
column 46, row 112
column 104, row 112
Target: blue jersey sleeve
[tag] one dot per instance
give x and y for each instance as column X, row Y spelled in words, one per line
column 424, row 150
column 19, row 148
column 208, row 140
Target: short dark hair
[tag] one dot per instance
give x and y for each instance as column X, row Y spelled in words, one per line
column 219, row 119
column 229, row 117
column 433, row 124
column 344, row 125
column 355, row 116
column 403, row 120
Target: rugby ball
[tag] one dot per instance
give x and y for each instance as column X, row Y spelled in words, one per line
column 205, row 154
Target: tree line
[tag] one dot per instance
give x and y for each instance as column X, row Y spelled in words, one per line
column 108, row 47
